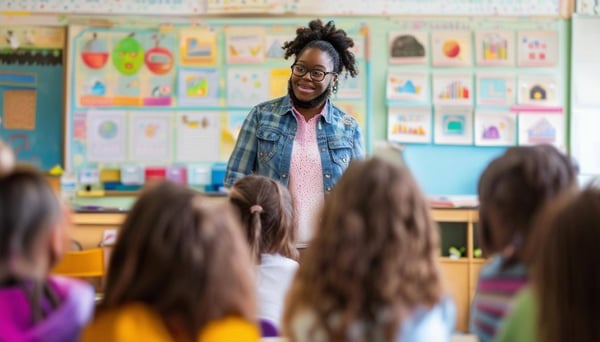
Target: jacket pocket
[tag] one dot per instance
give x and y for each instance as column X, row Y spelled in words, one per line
column 268, row 140
column 340, row 148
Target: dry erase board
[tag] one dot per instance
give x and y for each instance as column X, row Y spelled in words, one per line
column 31, row 93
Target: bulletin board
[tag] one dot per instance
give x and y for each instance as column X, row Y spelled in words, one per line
column 177, row 95
column 459, row 91
column 31, row 93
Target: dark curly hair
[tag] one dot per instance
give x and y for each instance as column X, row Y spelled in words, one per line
column 326, row 38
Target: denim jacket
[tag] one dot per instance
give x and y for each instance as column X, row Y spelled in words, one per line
column 264, row 145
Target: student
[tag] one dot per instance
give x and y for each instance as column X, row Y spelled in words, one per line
column 302, row 140
column 265, row 207
column 371, row 273
column 179, row 272
column 35, row 306
column 512, row 189
column 564, row 302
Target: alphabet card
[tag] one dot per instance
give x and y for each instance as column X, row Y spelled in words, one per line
column 245, row 44
column 408, row 47
column 451, row 48
column 453, row 125
column 540, row 90
column 406, row 86
column 495, row 48
column 495, row 128
column 495, row 89
column 409, row 125
column 542, row 128
column 537, row 48
column 452, row 89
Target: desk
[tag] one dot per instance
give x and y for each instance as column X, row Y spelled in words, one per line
column 460, row 275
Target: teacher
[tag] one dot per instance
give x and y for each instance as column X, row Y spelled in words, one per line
column 302, row 140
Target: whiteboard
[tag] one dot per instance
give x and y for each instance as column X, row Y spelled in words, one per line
column 585, row 94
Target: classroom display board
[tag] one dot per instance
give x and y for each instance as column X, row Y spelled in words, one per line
column 162, row 7
column 165, row 96
column 475, row 83
column 31, row 93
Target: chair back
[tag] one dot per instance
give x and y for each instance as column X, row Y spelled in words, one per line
column 87, row 263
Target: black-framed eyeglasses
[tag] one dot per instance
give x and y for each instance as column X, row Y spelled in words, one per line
column 315, row 75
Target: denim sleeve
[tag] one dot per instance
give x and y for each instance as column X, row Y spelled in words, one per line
column 243, row 158
column 358, row 151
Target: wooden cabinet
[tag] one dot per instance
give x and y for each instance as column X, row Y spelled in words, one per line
column 460, row 275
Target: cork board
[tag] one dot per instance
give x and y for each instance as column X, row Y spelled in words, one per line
column 19, row 109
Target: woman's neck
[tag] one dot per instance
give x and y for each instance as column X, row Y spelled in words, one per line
column 309, row 113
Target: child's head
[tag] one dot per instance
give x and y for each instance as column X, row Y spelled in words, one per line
column 32, row 238
column 512, row 189
column 565, row 263
column 374, row 256
column 182, row 256
column 265, row 207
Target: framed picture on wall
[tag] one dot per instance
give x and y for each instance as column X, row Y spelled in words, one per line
column 538, row 90
column 408, row 47
column 495, row 128
column 408, row 86
column 409, row 125
column 542, row 128
column 451, row 48
column 452, row 89
column 453, row 125
column 495, row 48
column 495, row 89
column 537, row 48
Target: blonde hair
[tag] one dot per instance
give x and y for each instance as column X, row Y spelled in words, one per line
column 374, row 257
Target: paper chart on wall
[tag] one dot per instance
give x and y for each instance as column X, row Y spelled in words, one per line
column 245, row 44
column 198, row 47
column 495, row 89
column 452, row 89
column 542, row 128
column 409, row 125
column 494, row 128
column 495, row 48
column 106, row 136
column 537, row 48
column 408, row 47
column 407, row 86
column 451, row 48
column 198, row 87
column 197, row 137
column 150, row 136
column 181, row 7
column 247, row 87
column 453, row 126
column 278, row 82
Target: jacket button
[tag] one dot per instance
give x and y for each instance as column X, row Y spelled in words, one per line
column 328, row 189
column 344, row 160
column 284, row 175
column 327, row 175
column 323, row 149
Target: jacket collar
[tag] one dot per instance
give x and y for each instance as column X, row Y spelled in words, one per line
column 286, row 108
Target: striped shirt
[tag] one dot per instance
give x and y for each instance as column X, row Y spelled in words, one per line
column 496, row 290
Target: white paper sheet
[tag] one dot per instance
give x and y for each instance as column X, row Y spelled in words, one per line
column 106, row 140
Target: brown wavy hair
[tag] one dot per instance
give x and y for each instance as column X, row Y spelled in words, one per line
column 184, row 257
column 266, row 210
column 513, row 189
column 374, row 257
column 565, row 278
column 327, row 38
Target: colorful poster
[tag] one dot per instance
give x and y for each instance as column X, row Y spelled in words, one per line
column 495, row 128
column 278, row 82
column 247, row 87
column 495, row 89
column 538, row 90
column 452, row 89
column 542, row 128
column 198, row 47
column 150, row 136
column 245, row 44
column 409, row 125
column 453, row 126
column 406, row 86
column 409, row 47
column 197, row 137
column 106, row 137
column 537, row 48
column 198, row 87
column 495, row 48
column 451, row 48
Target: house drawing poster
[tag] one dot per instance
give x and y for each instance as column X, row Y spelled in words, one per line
column 542, row 128
column 495, row 128
column 106, row 136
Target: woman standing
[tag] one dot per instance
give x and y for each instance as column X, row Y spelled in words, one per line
column 302, row 140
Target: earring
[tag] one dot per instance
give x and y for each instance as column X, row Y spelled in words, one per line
column 334, row 87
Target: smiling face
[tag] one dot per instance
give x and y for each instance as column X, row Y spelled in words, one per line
column 304, row 88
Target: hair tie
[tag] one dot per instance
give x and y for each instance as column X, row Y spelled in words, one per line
column 256, row 209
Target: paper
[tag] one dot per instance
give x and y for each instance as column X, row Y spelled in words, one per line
column 495, row 89
column 274, row 45
column 539, row 90
column 245, row 44
column 247, row 87
column 495, row 128
column 198, row 87
column 231, row 125
column 197, row 137
column 451, row 48
column 198, row 47
column 279, row 82
column 349, row 88
column 452, row 89
column 409, row 125
column 408, row 87
column 537, row 48
column 453, row 125
column 19, row 109
column 150, row 136
column 408, row 47
column 106, row 140
column 542, row 128
column 495, row 48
